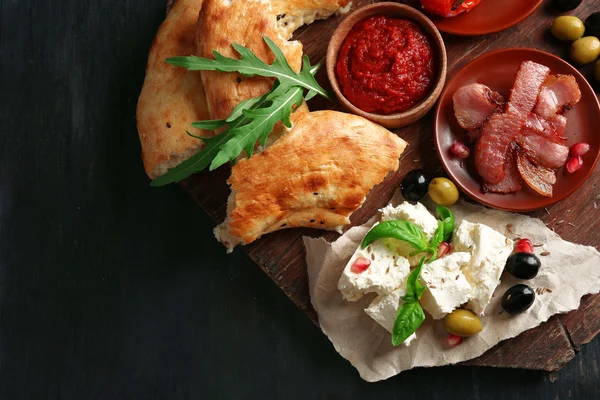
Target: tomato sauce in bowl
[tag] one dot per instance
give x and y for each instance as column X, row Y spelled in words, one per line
column 385, row 65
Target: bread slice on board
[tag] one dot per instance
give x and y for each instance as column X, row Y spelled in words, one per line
column 172, row 97
column 316, row 175
column 246, row 22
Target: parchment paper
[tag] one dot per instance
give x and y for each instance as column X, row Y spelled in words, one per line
column 570, row 271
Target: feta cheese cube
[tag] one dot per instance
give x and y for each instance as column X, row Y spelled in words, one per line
column 489, row 251
column 418, row 215
column 384, row 309
column 446, row 286
column 387, row 272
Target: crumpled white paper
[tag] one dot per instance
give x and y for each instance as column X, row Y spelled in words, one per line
column 570, row 271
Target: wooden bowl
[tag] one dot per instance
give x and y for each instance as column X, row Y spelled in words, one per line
column 497, row 69
column 399, row 11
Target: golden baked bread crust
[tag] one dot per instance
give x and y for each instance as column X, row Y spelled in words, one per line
column 316, row 175
column 245, row 22
column 172, row 97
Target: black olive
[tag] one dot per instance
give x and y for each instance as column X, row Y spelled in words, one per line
column 523, row 265
column 414, row 185
column 592, row 25
column 567, row 5
column 518, row 299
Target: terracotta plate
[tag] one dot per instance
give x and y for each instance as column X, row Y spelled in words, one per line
column 489, row 16
column 497, row 70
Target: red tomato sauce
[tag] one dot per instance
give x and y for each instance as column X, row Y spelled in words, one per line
column 385, row 65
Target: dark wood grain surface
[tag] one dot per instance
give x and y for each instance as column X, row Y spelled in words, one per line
column 281, row 254
column 111, row 289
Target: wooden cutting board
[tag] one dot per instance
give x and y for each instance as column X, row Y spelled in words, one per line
column 281, row 254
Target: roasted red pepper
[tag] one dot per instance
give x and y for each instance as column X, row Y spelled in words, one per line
column 448, row 8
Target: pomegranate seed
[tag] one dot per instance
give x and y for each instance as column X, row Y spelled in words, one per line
column 574, row 163
column 359, row 265
column 443, row 249
column 453, row 340
column 459, row 150
column 524, row 246
column 579, row 149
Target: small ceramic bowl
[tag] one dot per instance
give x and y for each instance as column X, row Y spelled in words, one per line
column 397, row 11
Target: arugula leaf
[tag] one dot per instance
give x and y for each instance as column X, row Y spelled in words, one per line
column 204, row 157
column 250, row 65
column 448, row 220
column 403, row 230
column 263, row 121
column 238, row 111
column 245, row 123
column 209, row 125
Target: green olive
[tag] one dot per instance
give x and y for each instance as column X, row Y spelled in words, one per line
column 597, row 71
column 462, row 323
column 585, row 50
column 567, row 28
column 443, row 191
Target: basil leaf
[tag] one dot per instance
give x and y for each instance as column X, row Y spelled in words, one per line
column 402, row 230
column 438, row 236
column 410, row 316
column 448, row 220
column 414, row 289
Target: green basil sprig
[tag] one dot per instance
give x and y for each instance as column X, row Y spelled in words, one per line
column 402, row 230
column 411, row 315
column 448, row 221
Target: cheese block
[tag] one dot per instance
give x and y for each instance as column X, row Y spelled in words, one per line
column 384, row 309
column 387, row 272
column 418, row 215
column 446, row 286
column 489, row 250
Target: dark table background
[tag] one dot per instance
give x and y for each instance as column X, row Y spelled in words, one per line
column 110, row 289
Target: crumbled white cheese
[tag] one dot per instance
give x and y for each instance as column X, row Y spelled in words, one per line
column 387, row 272
column 418, row 215
column 446, row 286
column 489, row 251
column 384, row 309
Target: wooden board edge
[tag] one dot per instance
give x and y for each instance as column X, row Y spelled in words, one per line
column 548, row 344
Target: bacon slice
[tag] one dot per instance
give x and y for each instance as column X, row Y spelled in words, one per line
column 473, row 135
column 538, row 178
column 512, row 179
column 542, row 151
column 551, row 129
column 559, row 92
column 559, row 123
column 501, row 129
column 474, row 103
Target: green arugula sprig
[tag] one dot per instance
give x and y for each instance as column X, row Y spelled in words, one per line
column 410, row 315
column 252, row 119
